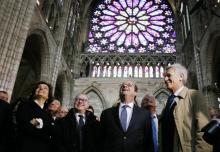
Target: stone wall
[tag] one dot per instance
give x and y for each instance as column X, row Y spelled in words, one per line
column 104, row 92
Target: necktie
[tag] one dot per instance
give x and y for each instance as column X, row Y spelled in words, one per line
column 123, row 118
column 155, row 133
column 81, row 121
column 170, row 101
column 81, row 124
column 167, row 110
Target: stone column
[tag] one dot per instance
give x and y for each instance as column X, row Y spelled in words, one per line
column 15, row 17
column 59, row 37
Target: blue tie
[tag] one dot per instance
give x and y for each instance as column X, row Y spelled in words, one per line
column 123, row 117
column 155, row 134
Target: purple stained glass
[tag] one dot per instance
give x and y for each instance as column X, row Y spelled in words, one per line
column 133, row 26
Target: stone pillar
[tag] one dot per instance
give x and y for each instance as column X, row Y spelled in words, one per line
column 15, row 17
column 60, row 36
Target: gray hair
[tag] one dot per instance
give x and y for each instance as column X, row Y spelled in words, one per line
column 180, row 69
column 83, row 94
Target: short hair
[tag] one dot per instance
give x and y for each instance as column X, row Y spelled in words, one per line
column 77, row 96
column 180, row 69
column 147, row 97
column 121, row 96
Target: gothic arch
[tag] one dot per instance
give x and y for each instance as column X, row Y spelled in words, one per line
column 96, row 99
column 62, row 88
column 31, row 64
column 49, row 47
column 161, row 94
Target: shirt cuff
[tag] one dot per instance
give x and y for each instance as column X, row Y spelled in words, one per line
column 40, row 121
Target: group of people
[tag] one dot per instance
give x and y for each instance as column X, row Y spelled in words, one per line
column 125, row 127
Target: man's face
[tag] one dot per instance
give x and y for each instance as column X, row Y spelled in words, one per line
column 42, row 91
column 172, row 80
column 54, row 105
column 62, row 112
column 81, row 103
column 149, row 102
column 3, row 96
column 128, row 89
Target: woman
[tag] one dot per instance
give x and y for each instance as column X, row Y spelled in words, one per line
column 35, row 124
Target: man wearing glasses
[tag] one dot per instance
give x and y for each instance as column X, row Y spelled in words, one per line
column 78, row 130
column 126, row 127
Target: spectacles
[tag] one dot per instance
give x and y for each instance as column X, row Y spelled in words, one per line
column 63, row 112
column 128, row 84
column 80, row 99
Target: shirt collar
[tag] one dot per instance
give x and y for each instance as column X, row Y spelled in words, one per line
column 38, row 104
column 177, row 92
column 77, row 114
column 130, row 105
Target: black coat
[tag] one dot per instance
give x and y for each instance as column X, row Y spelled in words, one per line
column 137, row 138
column 5, row 126
column 68, row 137
column 30, row 138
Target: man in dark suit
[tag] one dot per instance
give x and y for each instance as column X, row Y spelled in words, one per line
column 126, row 127
column 149, row 102
column 5, row 122
column 78, row 131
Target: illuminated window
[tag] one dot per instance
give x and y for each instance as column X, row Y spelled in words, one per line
column 134, row 26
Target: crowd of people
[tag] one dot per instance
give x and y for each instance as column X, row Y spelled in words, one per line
column 41, row 124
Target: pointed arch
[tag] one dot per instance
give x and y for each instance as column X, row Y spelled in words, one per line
column 161, row 94
column 96, row 99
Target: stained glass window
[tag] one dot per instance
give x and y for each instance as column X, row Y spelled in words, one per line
column 157, row 71
column 109, row 71
column 105, row 71
column 140, row 72
column 115, row 71
column 125, row 71
column 161, row 71
column 132, row 26
column 130, row 71
column 136, row 71
column 119, row 71
column 146, row 71
column 151, row 72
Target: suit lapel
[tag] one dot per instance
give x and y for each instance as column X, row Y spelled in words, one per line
column 133, row 118
column 115, row 112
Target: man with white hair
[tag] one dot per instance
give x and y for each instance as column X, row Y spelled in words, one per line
column 79, row 128
column 184, row 115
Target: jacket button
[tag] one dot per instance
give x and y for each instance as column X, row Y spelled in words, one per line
column 125, row 137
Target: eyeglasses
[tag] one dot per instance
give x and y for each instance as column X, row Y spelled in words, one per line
column 80, row 99
column 63, row 112
column 128, row 84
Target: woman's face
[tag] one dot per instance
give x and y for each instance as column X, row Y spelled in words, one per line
column 42, row 91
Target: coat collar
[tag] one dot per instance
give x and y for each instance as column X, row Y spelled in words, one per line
column 182, row 94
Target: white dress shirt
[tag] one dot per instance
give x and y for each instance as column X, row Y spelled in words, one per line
column 77, row 117
column 129, row 110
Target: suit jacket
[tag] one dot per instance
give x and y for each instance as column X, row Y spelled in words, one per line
column 68, row 133
column 137, row 138
column 31, row 138
column 190, row 116
column 5, row 126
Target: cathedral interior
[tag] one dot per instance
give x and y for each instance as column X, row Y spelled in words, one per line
column 92, row 46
